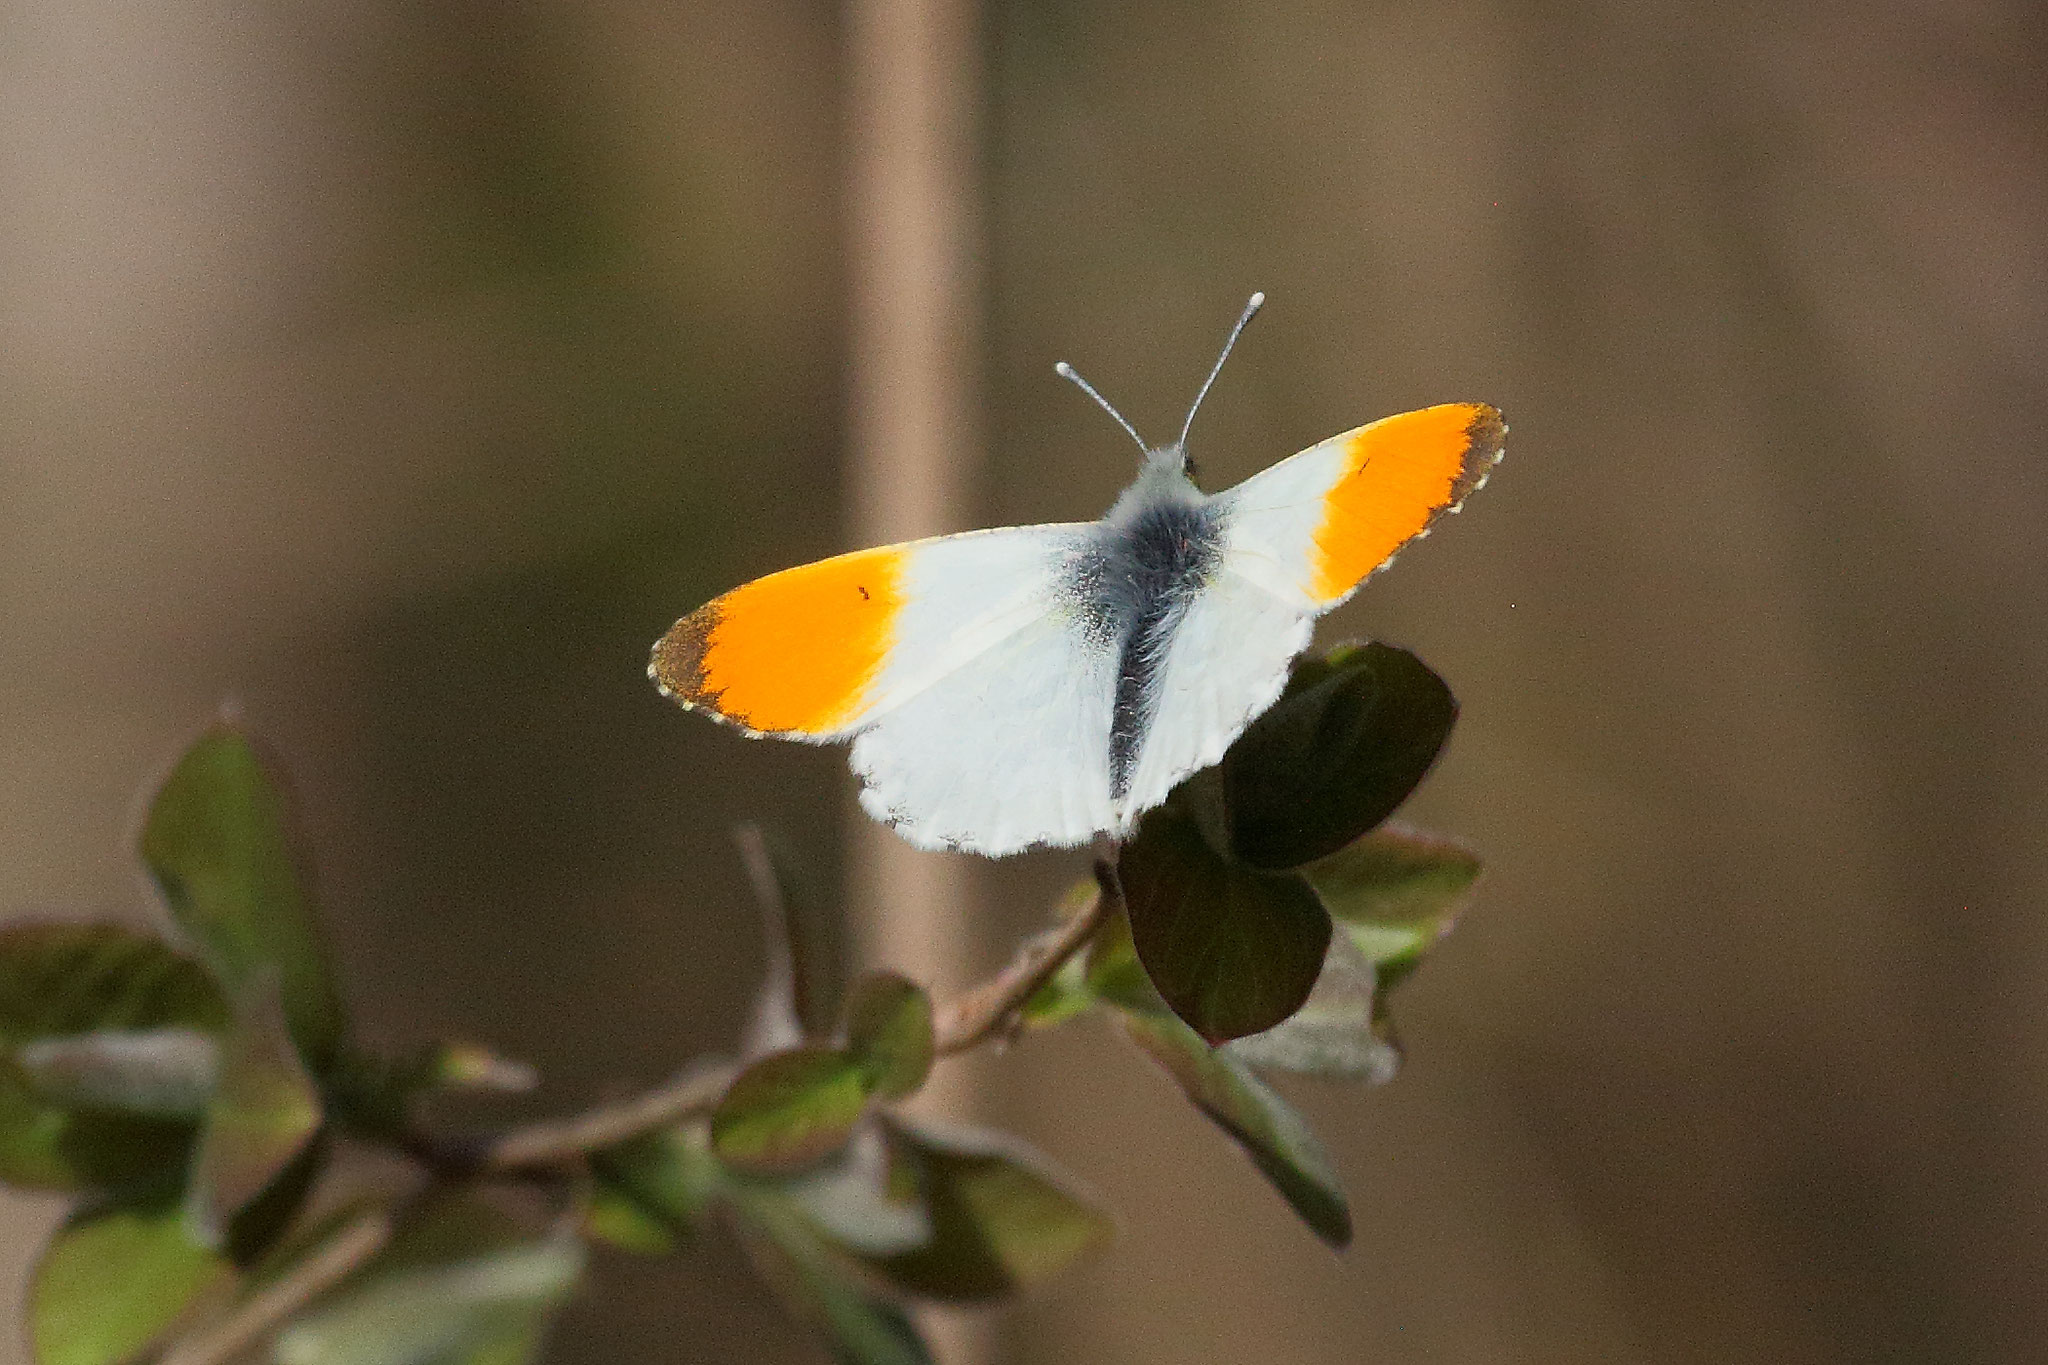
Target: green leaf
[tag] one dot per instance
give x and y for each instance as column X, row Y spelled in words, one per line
column 1351, row 737
column 789, row 1110
column 113, row 1280
column 1003, row 1218
column 1061, row 998
column 1336, row 1032
column 651, row 1189
column 1231, row 949
column 63, row 980
column 217, row 842
column 1393, row 894
column 889, row 1032
column 858, row 1327
column 263, row 1114
column 1272, row 1134
column 487, row 1309
column 1069, row 992
column 471, row 1066
column 1113, row 972
column 165, row 1073
column 461, row 1282
column 861, row 1201
column 1396, row 891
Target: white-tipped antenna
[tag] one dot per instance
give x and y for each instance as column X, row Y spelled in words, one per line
column 1066, row 371
column 1250, row 310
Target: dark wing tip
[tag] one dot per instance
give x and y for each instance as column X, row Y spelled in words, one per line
column 1485, row 441
column 677, row 662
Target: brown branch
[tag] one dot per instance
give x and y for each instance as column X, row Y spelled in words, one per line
column 962, row 1023
column 694, row 1091
column 984, row 1012
column 973, row 1018
column 344, row 1254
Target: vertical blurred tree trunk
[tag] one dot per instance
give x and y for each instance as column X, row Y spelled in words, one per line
column 912, row 80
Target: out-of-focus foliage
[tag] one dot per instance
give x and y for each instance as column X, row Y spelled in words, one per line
column 218, row 843
column 114, row 1277
column 70, row 981
column 1258, row 920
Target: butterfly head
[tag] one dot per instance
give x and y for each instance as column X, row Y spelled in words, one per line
column 1169, row 461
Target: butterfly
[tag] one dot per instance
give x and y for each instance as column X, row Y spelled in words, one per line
column 1041, row 685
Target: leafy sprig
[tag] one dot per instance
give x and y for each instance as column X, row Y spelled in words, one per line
column 189, row 1089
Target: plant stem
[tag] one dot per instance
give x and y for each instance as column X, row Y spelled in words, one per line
column 975, row 1016
column 696, row 1089
column 965, row 1022
column 986, row 1011
column 342, row 1256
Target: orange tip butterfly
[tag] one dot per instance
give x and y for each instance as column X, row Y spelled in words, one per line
column 1045, row 684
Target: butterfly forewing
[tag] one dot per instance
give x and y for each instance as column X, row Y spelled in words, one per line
column 1319, row 523
column 963, row 664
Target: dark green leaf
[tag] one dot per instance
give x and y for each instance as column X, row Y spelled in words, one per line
column 1349, row 739
column 1276, row 1138
column 456, row 1224
column 218, row 843
column 1232, row 950
column 889, row 1032
column 1002, row 1218
column 165, row 1073
column 113, row 1279
column 257, row 1226
column 789, row 1110
column 858, row 1327
column 63, row 980
column 1335, row 1033
column 263, row 1114
column 651, row 1189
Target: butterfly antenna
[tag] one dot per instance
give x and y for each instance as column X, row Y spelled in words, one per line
column 1250, row 310
column 1066, row 371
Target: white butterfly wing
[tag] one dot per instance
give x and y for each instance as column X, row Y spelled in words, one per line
column 961, row 667
column 1004, row 688
column 990, row 731
column 1298, row 539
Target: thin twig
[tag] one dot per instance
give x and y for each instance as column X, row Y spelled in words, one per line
column 694, row 1091
column 962, row 1023
column 265, row 1312
column 974, row 1017
column 965, row 1022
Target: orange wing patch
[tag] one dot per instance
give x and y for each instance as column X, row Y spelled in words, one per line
column 1403, row 471
column 790, row 653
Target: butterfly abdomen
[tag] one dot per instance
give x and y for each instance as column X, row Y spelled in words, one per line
column 1153, row 559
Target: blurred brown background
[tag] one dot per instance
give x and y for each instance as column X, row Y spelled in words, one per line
column 401, row 371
